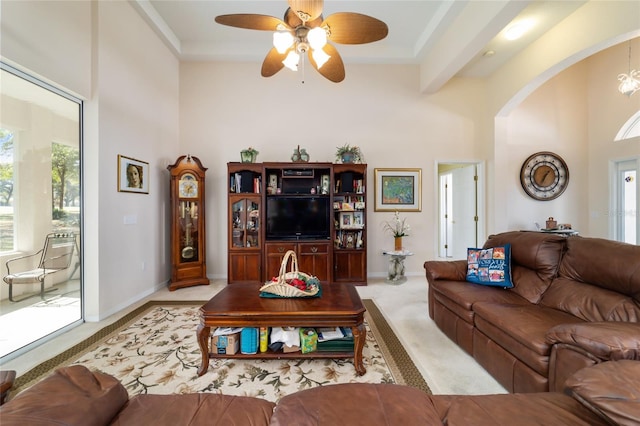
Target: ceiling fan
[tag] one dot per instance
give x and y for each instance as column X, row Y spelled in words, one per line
column 304, row 30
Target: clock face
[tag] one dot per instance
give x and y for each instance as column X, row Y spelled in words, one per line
column 188, row 186
column 544, row 176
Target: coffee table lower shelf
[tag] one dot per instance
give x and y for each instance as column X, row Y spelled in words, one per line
column 359, row 335
column 286, row 355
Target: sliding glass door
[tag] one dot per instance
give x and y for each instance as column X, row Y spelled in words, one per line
column 40, row 212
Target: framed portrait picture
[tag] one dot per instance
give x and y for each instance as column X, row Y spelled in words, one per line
column 358, row 219
column 346, row 220
column 133, row 175
column 398, row 190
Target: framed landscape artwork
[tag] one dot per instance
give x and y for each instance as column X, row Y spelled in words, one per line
column 398, row 190
column 133, row 175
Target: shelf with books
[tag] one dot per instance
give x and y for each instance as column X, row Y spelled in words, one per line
column 350, row 223
column 244, row 222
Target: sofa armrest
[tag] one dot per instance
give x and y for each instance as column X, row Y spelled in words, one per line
column 609, row 389
column 71, row 396
column 453, row 270
column 608, row 341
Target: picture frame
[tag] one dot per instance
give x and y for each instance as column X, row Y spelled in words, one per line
column 346, row 220
column 398, row 190
column 358, row 219
column 133, row 175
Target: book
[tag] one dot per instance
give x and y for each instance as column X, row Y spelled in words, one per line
column 329, row 333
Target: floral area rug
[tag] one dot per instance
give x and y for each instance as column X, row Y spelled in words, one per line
column 157, row 352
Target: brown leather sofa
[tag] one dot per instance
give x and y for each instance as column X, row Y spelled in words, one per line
column 605, row 394
column 575, row 303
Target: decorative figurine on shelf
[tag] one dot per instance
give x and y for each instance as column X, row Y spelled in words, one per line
column 300, row 155
column 296, row 155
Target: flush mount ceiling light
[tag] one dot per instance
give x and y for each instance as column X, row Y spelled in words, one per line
column 303, row 30
column 518, row 29
column 629, row 83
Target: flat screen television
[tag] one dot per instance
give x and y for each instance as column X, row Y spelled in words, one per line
column 297, row 217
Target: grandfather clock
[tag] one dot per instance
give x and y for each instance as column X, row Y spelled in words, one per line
column 188, row 257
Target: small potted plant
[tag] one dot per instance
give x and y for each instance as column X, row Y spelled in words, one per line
column 249, row 155
column 348, row 154
column 398, row 228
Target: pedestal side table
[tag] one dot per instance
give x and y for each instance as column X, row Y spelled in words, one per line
column 395, row 273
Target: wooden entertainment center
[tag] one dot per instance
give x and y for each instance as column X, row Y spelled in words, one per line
column 316, row 209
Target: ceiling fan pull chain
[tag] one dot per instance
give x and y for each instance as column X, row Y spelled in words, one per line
column 302, row 60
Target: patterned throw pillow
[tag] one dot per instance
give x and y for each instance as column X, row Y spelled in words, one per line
column 490, row 266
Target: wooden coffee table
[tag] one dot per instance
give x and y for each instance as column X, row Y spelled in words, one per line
column 239, row 305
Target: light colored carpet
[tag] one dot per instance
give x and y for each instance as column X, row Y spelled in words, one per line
column 154, row 351
column 446, row 367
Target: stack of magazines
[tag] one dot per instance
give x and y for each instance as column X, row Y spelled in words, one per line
column 338, row 339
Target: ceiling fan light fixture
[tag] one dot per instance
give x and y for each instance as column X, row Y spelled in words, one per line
column 291, row 61
column 320, row 57
column 282, row 40
column 317, row 38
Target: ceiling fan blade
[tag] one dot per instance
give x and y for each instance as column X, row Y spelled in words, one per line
column 355, row 28
column 333, row 69
column 310, row 9
column 291, row 18
column 251, row 21
column 273, row 62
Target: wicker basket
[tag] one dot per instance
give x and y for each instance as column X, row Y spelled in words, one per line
column 281, row 288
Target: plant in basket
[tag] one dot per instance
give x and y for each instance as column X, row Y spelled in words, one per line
column 302, row 282
column 293, row 283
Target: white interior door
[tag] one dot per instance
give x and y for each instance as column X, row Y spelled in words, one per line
column 627, row 199
column 463, row 220
column 444, row 214
column 460, row 204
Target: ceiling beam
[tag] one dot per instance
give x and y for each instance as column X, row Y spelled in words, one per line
column 464, row 38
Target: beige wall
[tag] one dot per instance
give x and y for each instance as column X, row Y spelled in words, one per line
column 227, row 107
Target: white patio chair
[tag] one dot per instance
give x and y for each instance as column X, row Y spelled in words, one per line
column 54, row 258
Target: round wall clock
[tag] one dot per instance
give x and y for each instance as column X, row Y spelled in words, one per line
column 544, row 176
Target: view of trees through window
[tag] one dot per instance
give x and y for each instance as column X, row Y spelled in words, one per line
column 65, row 185
column 65, row 181
column 7, row 228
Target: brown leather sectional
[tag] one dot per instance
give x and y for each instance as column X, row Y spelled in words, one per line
column 605, row 394
column 575, row 303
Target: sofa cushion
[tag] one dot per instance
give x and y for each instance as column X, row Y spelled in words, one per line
column 535, row 258
column 195, row 409
column 71, row 396
column 604, row 263
column 356, row 404
column 611, row 389
column 521, row 330
column 460, row 296
column 513, row 409
column 490, row 266
column 590, row 302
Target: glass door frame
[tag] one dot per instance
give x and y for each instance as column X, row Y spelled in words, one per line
column 79, row 242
